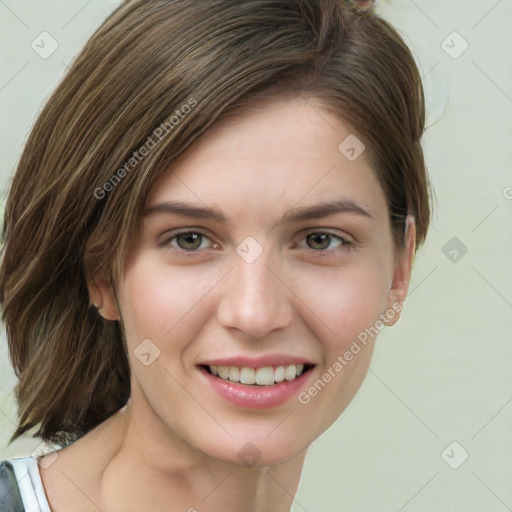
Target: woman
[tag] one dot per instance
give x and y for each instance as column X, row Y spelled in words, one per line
column 214, row 216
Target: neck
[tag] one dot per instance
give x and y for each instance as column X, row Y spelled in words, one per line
column 154, row 465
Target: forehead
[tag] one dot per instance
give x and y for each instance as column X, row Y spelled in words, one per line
column 268, row 160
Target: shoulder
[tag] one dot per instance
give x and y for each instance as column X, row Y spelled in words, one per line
column 20, row 480
column 68, row 478
column 72, row 476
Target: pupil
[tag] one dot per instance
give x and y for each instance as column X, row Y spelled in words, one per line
column 190, row 238
column 325, row 243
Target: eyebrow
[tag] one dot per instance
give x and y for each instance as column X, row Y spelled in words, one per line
column 296, row 214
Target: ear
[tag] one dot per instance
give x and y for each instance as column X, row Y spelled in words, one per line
column 103, row 297
column 402, row 272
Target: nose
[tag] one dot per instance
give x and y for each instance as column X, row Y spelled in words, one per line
column 254, row 298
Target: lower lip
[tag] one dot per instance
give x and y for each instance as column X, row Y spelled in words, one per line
column 256, row 397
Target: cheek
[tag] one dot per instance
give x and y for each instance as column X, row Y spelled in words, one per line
column 157, row 300
column 348, row 303
column 344, row 300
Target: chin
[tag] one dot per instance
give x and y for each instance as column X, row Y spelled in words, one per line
column 257, row 447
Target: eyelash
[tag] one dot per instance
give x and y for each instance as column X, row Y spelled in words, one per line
column 345, row 246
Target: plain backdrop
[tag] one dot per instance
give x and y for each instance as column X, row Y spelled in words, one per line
column 431, row 427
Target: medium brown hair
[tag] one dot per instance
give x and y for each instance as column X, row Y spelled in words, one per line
column 73, row 213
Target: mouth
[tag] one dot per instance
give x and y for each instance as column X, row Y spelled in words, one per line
column 263, row 382
column 258, row 376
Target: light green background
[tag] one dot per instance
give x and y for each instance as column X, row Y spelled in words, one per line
column 444, row 373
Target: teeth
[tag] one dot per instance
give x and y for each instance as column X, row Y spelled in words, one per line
column 223, row 372
column 266, row 376
column 290, row 372
column 247, row 376
column 234, row 374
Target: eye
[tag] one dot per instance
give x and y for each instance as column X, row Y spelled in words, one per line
column 325, row 243
column 187, row 241
column 320, row 242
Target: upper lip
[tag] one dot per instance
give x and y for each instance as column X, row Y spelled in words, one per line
column 257, row 362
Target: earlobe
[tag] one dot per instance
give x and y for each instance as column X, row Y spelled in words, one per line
column 102, row 297
column 402, row 272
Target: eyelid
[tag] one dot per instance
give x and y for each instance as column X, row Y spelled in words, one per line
column 332, row 232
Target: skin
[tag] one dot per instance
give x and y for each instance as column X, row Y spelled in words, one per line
column 176, row 441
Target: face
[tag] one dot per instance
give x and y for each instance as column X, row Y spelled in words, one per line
column 266, row 256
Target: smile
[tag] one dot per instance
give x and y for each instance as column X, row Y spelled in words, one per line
column 257, row 383
column 263, row 376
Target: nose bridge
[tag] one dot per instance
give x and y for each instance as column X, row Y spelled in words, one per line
column 254, row 300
